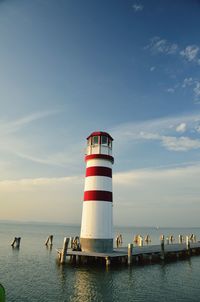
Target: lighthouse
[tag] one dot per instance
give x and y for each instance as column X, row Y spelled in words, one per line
column 97, row 214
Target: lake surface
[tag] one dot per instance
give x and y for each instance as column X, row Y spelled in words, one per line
column 32, row 273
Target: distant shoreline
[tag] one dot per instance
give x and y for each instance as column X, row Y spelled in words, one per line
column 78, row 225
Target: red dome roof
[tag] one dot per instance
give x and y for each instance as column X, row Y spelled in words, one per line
column 100, row 133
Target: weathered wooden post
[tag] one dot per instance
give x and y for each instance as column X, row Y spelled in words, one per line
column 16, row 242
column 162, row 243
column 64, row 250
column 108, row 261
column 49, row 240
column 180, row 238
column 140, row 240
column 71, row 242
column 130, row 250
column 187, row 241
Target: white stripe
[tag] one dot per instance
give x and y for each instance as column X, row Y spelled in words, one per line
column 101, row 183
column 97, row 220
column 99, row 163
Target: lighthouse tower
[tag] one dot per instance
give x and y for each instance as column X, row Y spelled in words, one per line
column 97, row 217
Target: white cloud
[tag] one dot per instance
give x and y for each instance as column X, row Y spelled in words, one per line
column 42, row 199
column 181, row 127
column 140, row 176
column 13, row 126
column 196, row 91
column 136, row 194
column 163, row 125
column 170, row 90
column 167, row 192
column 57, row 159
column 187, row 82
column 137, row 7
column 32, row 184
column 180, row 143
column 173, row 143
column 190, row 53
column 158, row 45
column 18, row 147
column 194, row 84
column 164, row 130
column 197, row 128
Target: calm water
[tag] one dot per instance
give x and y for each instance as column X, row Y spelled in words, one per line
column 32, row 273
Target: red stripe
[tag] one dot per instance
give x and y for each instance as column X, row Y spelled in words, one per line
column 101, row 156
column 99, row 171
column 98, row 195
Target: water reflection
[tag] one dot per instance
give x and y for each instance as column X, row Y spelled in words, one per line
column 87, row 283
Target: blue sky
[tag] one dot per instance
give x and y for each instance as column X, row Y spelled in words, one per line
column 132, row 68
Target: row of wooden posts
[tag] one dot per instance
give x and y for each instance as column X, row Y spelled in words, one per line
column 74, row 244
column 139, row 240
column 188, row 239
column 17, row 240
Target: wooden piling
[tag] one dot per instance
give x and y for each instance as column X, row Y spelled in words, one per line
column 16, row 242
column 107, row 261
column 64, row 250
column 140, row 240
column 130, row 250
column 162, row 243
column 187, row 240
column 49, row 240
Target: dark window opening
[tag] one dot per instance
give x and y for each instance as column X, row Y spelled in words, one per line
column 95, row 140
column 104, row 140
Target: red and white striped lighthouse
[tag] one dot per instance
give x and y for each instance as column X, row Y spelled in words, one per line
column 97, row 216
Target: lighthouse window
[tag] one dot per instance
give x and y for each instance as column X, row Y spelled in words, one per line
column 104, row 140
column 110, row 143
column 89, row 141
column 95, row 140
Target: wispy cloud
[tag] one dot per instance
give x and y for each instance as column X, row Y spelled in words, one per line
column 60, row 159
column 13, row 126
column 166, row 131
column 17, row 146
column 181, row 127
column 173, row 143
column 196, row 91
column 137, row 7
column 194, row 84
column 158, row 45
column 180, row 143
column 140, row 176
column 171, row 90
column 187, row 82
column 190, row 53
column 27, row 184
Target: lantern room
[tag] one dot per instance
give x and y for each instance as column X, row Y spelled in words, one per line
column 99, row 143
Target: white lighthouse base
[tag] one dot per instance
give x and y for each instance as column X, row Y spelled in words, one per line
column 96, row 245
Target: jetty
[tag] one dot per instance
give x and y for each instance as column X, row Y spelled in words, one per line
column 133, row 254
